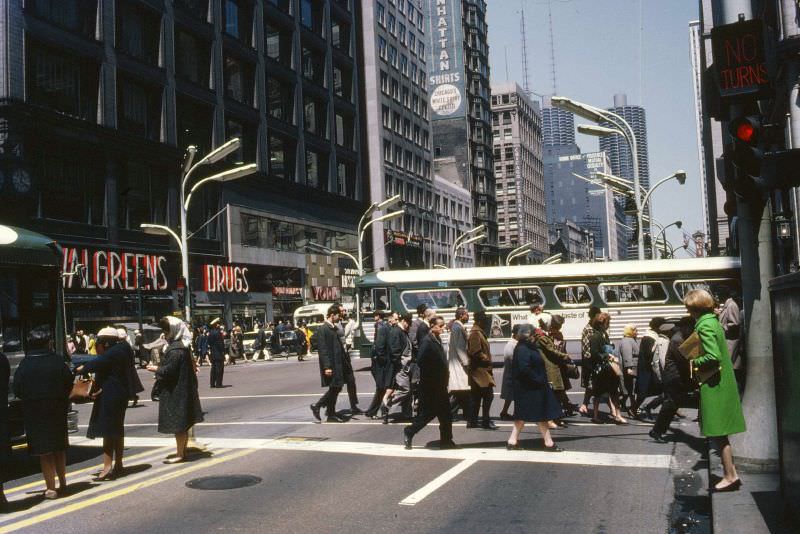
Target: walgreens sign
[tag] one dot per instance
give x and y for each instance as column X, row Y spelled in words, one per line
column 113, row 270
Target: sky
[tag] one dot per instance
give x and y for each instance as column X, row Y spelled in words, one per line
column 604, row 47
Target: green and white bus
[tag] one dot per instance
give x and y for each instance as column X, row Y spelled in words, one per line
column 631, row 291
column 31, row 297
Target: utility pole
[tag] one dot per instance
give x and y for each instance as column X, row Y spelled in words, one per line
column 758, row 446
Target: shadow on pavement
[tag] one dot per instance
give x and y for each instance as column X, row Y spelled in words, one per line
column 770, row 504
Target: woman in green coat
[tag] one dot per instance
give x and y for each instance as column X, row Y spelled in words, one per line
column 720, row 409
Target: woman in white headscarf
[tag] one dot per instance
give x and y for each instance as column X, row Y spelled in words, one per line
column 179, row 402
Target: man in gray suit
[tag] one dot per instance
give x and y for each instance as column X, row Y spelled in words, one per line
column 458, row 362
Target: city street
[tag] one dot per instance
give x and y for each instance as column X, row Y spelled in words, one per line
column 357, row 477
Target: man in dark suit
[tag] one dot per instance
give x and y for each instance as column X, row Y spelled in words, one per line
column 380, row 368
column 434, row 400
column 334, row 368
column 216, row 345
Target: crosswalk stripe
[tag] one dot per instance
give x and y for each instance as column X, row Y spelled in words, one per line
column 139, row 484
column 437, row 483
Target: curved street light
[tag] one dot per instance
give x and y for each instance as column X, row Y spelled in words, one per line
column 465, row 239
column 663, row 232
column 522, row 250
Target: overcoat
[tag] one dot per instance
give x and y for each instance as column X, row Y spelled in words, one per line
column 457, row 358
column 112, row 378
column 216, row 344
column 507, row 385
column 434, row 373
column 332, row 356
column 480, row 358
column 179, row 402
column 553, row 358
column 533, row 397
column 720, row 409
column 383, row 366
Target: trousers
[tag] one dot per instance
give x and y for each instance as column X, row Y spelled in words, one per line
column 481, row 396
column 673, row 397
column 352, row 393
column 328, row 400
column 217, row 371
column 437, row 407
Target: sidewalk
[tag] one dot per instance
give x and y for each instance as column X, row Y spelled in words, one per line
column 755, row 508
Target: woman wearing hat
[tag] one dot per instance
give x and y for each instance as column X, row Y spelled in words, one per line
column 179, row 402
column 108, row 412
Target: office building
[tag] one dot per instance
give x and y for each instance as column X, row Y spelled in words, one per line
column 558, row 125
column 458, row 80
column 592, row 207
column 453, row 209
column 101, row 98
column 518, row 171
column 395, row 36
column 618, row 151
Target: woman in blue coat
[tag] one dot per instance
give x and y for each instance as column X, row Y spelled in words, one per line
column 534, row 400
column 108, row 412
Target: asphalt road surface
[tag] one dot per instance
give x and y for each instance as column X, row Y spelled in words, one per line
column 297, row 475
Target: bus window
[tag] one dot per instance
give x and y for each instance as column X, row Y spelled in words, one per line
column 440, row 299
column 721, row 288
column 573, row 295
column 374, row 299
column 632, row 292
column 520, row 296
column 10, row 327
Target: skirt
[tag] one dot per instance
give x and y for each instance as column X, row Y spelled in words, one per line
column 46, row 425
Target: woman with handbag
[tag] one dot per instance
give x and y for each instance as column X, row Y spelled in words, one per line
column 554, row 360
column 720, row 409
column 628, row 352
column 534, row 400
column 606, row 370
column 112, row 383
column 568, row 370
column 43, row 382
column 179, row 402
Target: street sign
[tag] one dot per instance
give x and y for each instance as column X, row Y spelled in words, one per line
column 740, row 60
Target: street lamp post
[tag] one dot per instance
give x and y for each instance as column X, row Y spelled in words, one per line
column 466, row 238
column 663, row 232
column 218, row 154
column 518, row 252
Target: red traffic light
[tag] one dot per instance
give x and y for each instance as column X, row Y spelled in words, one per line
column 745, row 129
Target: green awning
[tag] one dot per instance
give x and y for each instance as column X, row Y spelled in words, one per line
column 23, row 247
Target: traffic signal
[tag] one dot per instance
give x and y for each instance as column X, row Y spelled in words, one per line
column 748, row 139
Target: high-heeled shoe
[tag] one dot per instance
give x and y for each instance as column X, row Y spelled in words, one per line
column 733, row 486
column 102, row 477
column 514, row 447
column 552, row 448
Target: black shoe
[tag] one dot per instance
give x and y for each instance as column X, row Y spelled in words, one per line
column 357, row 411
column 315, row 411
column 554, row 448
column 448, row 445
column 506, row 417
column 514, row 447
column 472, row 424
column 489, row 425
column 734, row 486
column 406, row 441
column 658, row 438
column 334, row 419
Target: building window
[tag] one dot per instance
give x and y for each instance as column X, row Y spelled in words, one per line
column 78, row 16
column 316, row 170
column 142, row 195
column 283, row 5
column 346, row 179
column 138, row 32
column 381, row 14
column 139, row 109
column 342, row 82
column 314, row 115
column 195, row 8
column 344, row 130
column 279, row 44
column 311, row 15
column 281, row 157
column 194, row 122
column 71, row 186
column 239, row 81
column 280, row 100
column 248, row 133
column 340, row 36
column 192, row 58
column 314, row 65
column 382, row 47
column 61, row 82
column 238, row 20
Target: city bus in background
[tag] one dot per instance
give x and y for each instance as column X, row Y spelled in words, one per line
column 632, row 292
column 31, row 298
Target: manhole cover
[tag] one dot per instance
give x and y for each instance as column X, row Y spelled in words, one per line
column 224, row 482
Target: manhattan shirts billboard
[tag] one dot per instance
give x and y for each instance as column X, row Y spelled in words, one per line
column 446, row 59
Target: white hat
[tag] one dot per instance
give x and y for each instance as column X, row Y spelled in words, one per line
column 122, row 333
column 214, row 322
column 108, row 331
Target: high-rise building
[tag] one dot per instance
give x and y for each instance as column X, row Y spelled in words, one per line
column 558, row 125
column 100, row 100
column 709, row 141
column 458, row 81
column 395, row 37
column 574, row 199
column 518, row 170
column 619, row 152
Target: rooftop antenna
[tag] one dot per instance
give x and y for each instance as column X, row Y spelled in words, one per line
column 552, row 46
column 524, row 44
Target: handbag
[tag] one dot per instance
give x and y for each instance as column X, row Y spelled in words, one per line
column 83, row 391
column 571, row 370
